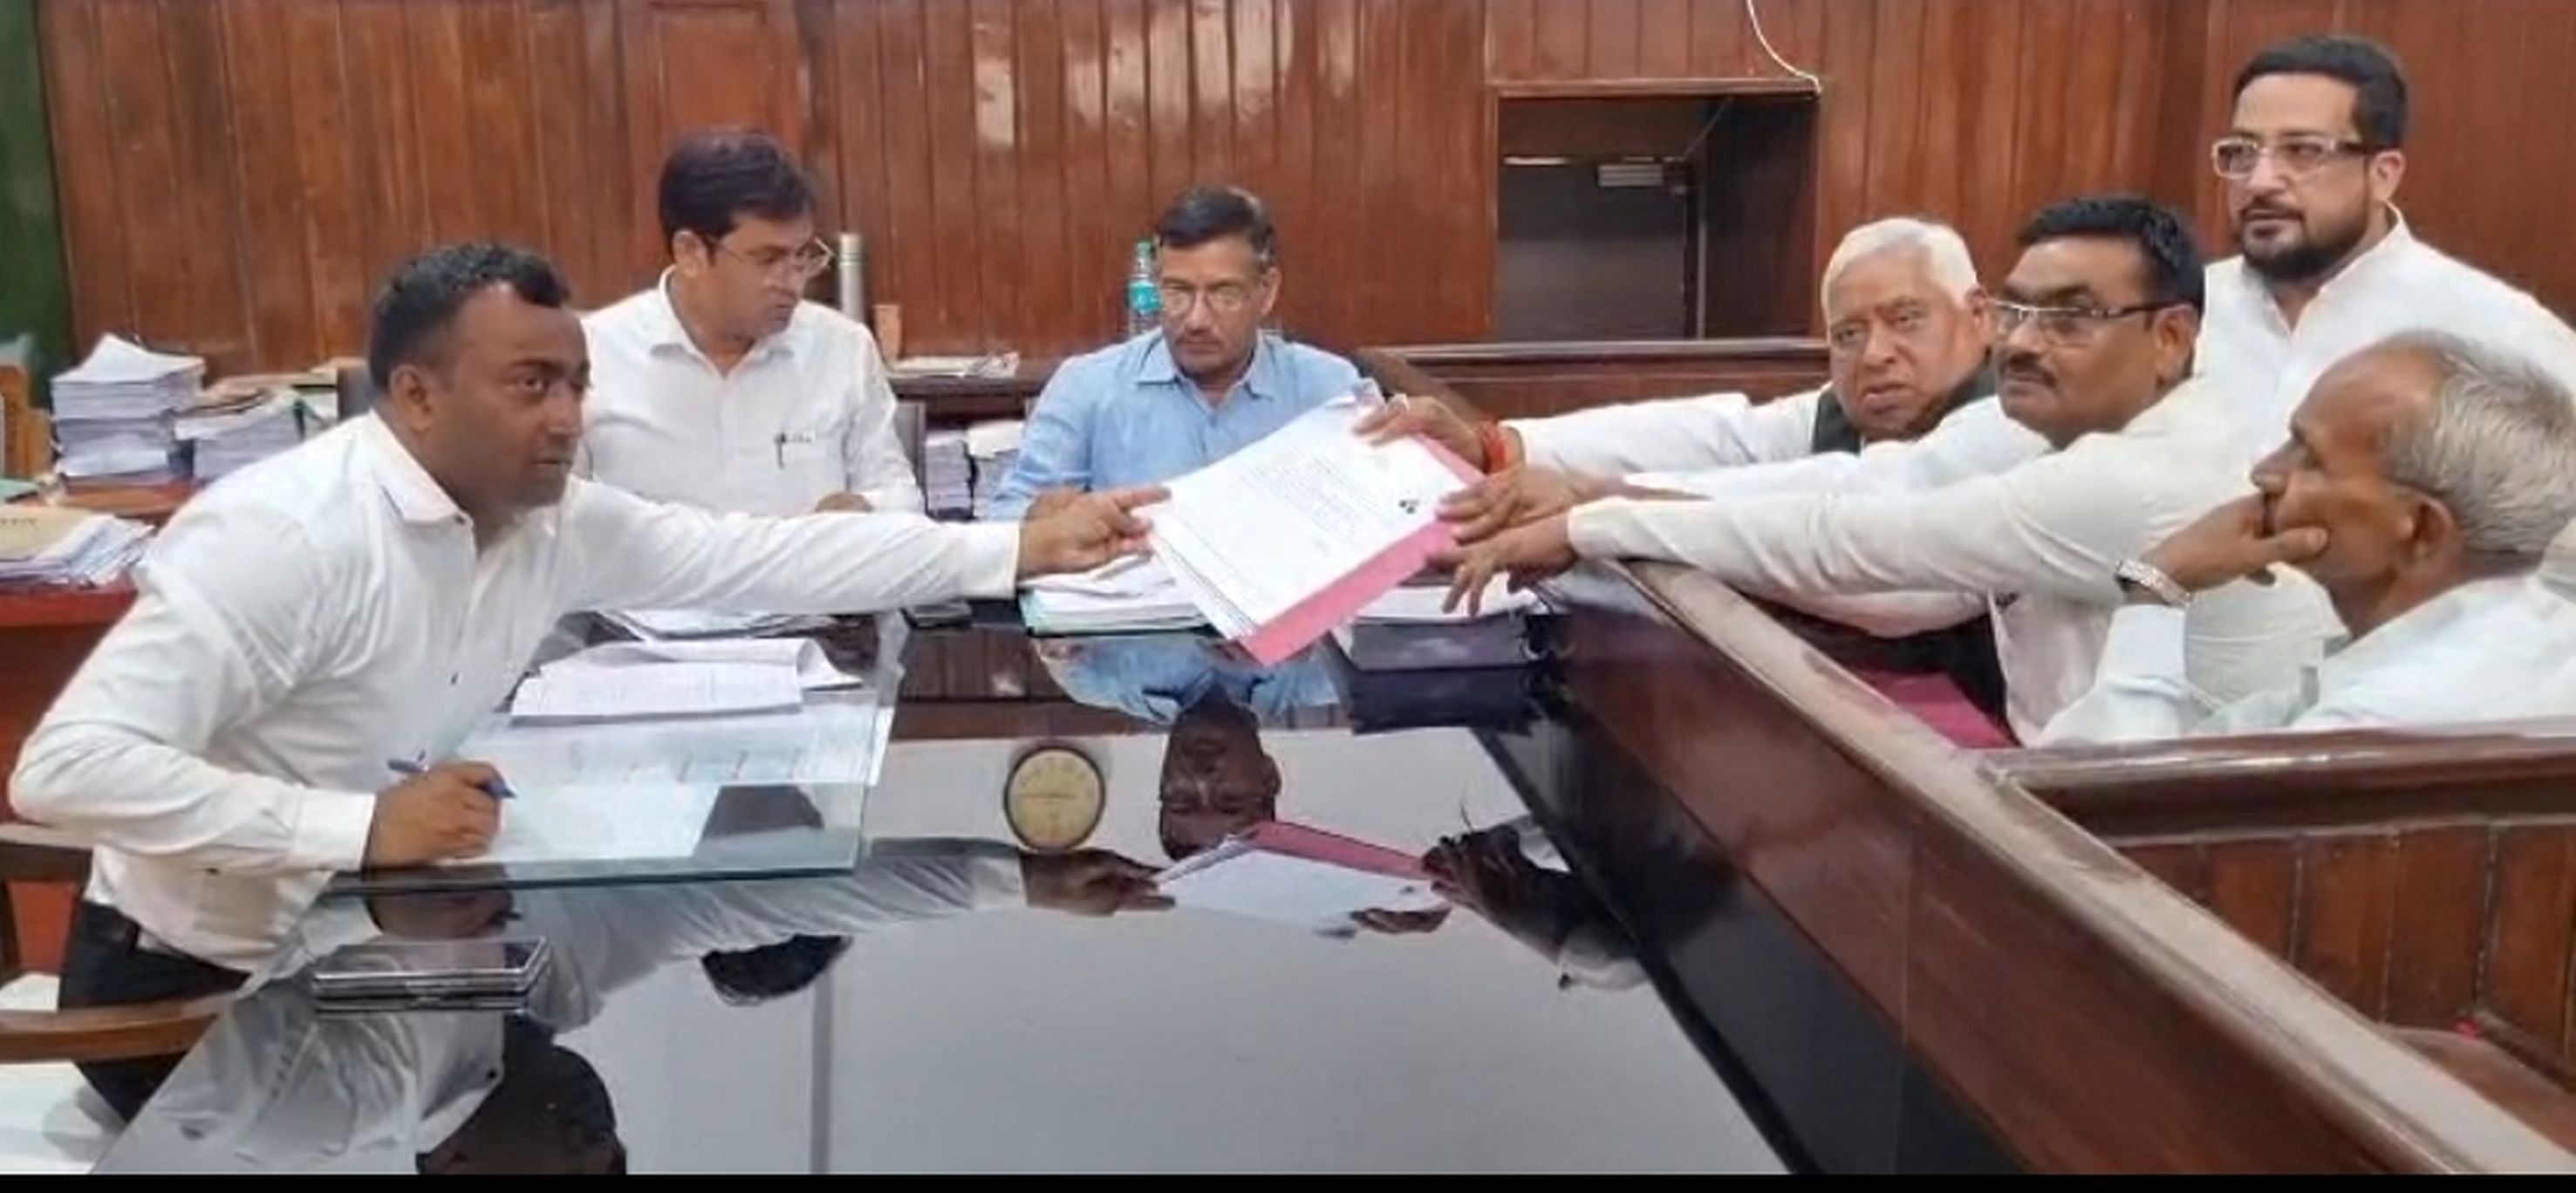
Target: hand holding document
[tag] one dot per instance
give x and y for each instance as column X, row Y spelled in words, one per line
column 1294, row 535
column 1086, row 532
column 1302, row 876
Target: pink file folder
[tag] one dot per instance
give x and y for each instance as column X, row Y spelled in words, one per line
column 1316, row 845
column 1309, row 620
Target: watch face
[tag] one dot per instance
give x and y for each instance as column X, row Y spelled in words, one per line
column 1054, row 798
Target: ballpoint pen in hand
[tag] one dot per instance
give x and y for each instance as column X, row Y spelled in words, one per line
column 496, row 788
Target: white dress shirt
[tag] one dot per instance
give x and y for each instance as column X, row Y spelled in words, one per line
column 808, row 413
column 2039, row 540
column 2490, row 650
column 2402, row 284
column 1722, row 442
column 326, row 610
column 1676, row 435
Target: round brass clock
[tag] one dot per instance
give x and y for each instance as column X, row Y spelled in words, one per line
column 1054, row 797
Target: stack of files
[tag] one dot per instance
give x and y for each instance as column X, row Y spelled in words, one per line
column 594, row 693
column 42, row 544
column 1298, row 875
column 1280, row 542
column 1407, row 630
column 947, row 476
column 800, row 657
column 989, row 366
column 226, row 438
column 828, row 740
column 995, row 447
column 1135, row 595
column 678, row 625
column 112, row 413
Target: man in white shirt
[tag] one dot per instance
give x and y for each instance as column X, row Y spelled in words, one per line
column 1906, row 332
column 2423, row 483
column 2096, row 328
column 720, row 387
column 359, row 603
column 2312, row 161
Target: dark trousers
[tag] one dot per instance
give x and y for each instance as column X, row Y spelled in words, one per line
column 106, row 965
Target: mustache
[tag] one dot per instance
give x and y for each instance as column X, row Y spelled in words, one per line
column 2265, row 211
column 2025, row 366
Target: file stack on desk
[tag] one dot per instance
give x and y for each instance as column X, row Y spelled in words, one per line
column 947, row 475
column 112, row 413
column 1136, row 595
column 1302, row 876
column 58, row 545
column 628, row 680
column 1280, row 542
column 994, row 446
column 683, row 625
column 225, row 439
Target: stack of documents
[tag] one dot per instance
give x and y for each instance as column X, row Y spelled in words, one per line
column 802, row 658
column 676, row 625
column 991, row 365
column 627, row 680
column 829, row 740
column 1135, row 595
column 1280, row 542
column 42, row 544
column 112, row 413
column 226, row 438
column 947, row 476
column 1302, row 876
column 995, row 448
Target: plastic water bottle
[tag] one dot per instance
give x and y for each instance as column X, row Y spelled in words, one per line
column 1144, row 297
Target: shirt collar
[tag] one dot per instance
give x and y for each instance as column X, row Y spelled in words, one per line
column 417, row 496
column 2409, row 631
column 2395, row 247
column 663, row 330
column 1157, row 367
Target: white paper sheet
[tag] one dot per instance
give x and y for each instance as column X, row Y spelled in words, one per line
column 839, row 740
column 804, row 656
column 1293, row 890
column 666, row 690
column 599, row 823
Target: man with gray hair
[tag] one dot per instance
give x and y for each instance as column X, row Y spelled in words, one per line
column 1906, row 329
column 2423, row 483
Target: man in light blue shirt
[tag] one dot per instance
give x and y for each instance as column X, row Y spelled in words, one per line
column 1205, row 384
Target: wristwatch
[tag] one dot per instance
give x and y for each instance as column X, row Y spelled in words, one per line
column 2139, row 575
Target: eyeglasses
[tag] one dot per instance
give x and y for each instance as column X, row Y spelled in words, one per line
column 2065, row 327
column 801, row 264
column 1224, row 298
column 2295, row 157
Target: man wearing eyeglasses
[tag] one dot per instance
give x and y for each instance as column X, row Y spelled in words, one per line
column 2094, row 333
column 1205, row 384
column 720, row 387
column 2326, row 264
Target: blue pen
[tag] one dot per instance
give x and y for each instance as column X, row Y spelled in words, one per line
column 496, row 788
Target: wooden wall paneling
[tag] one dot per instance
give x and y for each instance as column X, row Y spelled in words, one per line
column 90, row 163
column 1719, row 40
column 206, row 190
column 819, row 45
column 252, row 48
column 1564, row 32
column 2441, row 906
column 1131, row 138
column 2347, row 916
column 2039, row 146
column 1466, row 212
column 915, row 268
column 1664, row 39
column 692, row 64
column 1301, row 202
column 1047, row 307
column 949, row 50
column 1095, row 250
column 151, row 188
column 1511, row 39
column 1945, row 123
column 1842, row 125
column 1211, row 66
column 1252, row 31
column 1003, row 270
column 451, row 209
column 1610, row 40
column 2533, row 932
column 1893, row 171
column 1169, row 99
column 385, row 144
column 505, row 94
column 2253, row 885
column 1331, row 251
column 1990, row 212
column 2181, row 177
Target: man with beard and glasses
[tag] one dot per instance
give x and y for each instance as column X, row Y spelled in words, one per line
column 2312, row 162
column 2094, row 332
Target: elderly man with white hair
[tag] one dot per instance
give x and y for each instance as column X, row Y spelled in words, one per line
column 2423, row 483
column 1906, row 330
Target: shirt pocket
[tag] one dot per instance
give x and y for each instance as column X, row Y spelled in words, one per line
column 798, row 465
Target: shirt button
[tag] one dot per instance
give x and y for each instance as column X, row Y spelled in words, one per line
column 451, row 678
